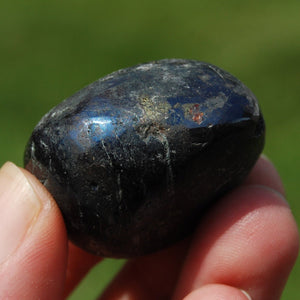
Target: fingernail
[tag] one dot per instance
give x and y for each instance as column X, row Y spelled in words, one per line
column 19, row 207
column 246, row 294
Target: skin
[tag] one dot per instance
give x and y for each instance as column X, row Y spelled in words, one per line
column 245, row 247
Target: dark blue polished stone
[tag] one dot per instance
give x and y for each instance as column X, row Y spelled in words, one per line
column 135, row 158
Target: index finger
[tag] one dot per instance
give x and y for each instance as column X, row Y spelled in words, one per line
column 249, row 240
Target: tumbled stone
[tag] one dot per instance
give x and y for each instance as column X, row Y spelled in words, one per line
column 135, row 158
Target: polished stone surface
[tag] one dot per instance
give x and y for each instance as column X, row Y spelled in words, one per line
column 135, row 158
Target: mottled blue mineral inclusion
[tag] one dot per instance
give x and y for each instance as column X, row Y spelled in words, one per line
column 136, row 157
column 183, row 94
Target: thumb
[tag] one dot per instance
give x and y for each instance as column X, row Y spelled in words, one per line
column 33, row 242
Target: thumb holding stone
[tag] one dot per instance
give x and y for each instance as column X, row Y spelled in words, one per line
column 33, row 241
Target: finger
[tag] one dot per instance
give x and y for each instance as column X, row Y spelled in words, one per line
column 33, row 252
column 264, row 173
column 251, row 244
column 79, row 264
column 217, row 291
column 150, row 277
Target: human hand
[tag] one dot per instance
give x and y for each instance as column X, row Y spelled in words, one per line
column 248, row 241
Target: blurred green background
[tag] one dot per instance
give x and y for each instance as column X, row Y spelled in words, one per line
column 50, row 49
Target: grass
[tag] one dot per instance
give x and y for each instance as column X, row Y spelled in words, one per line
column 50, row 49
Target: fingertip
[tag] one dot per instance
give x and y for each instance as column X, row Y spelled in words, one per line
column 20, row 208
column 41, row 247
column 217, row 291
column 265, row 173
column 79, row 261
